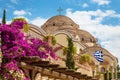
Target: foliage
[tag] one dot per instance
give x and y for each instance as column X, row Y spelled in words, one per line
column 85, row 58
column 74, row 50
column 70, row 63
column 15, row 46
column 53, row 39
column 65, row 49
column 4, row 17
column 45, row 39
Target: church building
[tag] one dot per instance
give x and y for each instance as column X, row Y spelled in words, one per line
column 103, row 64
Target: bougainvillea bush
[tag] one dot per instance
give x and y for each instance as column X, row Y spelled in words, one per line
column 15, row 45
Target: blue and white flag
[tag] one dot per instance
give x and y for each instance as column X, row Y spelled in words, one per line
column 98, row 55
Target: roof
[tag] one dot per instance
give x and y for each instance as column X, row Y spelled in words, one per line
column 106, row 54
column 60, row 19
column 86, row 36
column 59, row 22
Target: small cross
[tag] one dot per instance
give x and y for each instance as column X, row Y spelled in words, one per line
column 60, row 10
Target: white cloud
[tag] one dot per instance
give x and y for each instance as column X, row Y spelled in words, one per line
column 9, row 21
column 85, row 5
column 21, row 13
column 108, row 36
column 102, row 2
column 22, row 17
column 14, row 1
column 87, row 16
column 38, row 21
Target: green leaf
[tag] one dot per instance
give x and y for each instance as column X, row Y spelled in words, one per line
column 21, row 19
column 70, row 63
column 85, row 58
column 65, row 50
column 54, row 40
column 74, row 50
column 26, row 28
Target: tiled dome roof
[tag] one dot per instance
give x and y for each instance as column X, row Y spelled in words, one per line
column 59, row 22
column 86, row 36
column 91, row 50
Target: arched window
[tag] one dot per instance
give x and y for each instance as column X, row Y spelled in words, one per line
column 82, row 39
column 53, row 24
column 71, row 24
column 102, row 70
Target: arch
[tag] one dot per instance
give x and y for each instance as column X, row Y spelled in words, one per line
column 37, row 76
column 91, row 51
column 108, row 56
column 104, row 58
column 37, row 29
column 85, row 36
column 104, row 55
column 107, row 59
column 62, row 41
column 63, row 32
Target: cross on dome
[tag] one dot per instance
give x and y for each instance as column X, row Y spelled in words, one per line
column 60, row 10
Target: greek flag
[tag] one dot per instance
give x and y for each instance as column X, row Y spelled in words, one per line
column 98, row 55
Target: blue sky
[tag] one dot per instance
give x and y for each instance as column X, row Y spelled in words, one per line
column 45, row 8
column 100, row 17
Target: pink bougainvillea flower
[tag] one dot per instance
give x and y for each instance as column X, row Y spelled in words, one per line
column 15, row 45
column 11, row 65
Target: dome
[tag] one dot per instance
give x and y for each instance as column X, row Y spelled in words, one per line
column 86, row 36
column 91, row 50
column 106, row 54
column 59, row 22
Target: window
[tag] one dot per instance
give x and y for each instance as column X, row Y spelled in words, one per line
column 102, row 70
column 53, row 24
column 82, row 39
